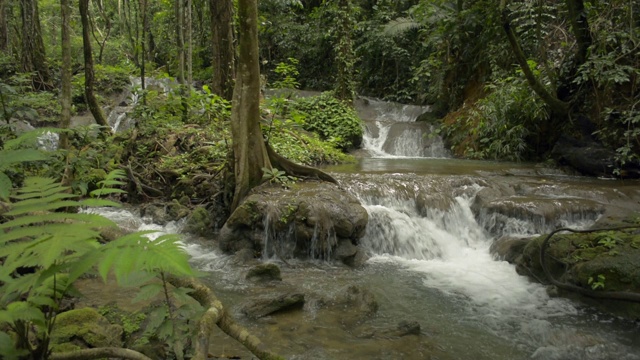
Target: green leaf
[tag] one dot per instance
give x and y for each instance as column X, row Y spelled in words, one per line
column 10, row 157
column 5, row 186
column 148, row 292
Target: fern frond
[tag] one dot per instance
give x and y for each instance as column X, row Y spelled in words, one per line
column 107, row 185
column 10, row 157
column 400, row 25
column 29, row 138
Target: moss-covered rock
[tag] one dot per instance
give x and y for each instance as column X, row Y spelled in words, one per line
column 85, row 328
column 309, row 220
column 599, row 261
column 199, row 222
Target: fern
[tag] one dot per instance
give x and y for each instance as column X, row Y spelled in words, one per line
column 400, row 25
column 107, row 185
column 59, row 247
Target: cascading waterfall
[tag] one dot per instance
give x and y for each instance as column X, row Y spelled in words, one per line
column 449, row 248
column 391, row 131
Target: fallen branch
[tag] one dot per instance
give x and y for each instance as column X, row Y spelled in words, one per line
column 610, row 295
column 216, row 315
column 99, row 353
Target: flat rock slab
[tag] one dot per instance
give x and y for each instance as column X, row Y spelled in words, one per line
column 269, row 304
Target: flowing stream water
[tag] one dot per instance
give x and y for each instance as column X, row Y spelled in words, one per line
column 430, row 260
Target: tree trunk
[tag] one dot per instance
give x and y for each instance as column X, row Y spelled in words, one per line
column 189, row 38
column 249, row 150
column 143, row 41
column 179, row 8
column 344, row 57
column 4, row 28
column 223, row 52
column 92, row 102
column 33, row 53
column 65, row 72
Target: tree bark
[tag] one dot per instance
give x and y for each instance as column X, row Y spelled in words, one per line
column 189, row 38
column 580, row 29
column 217, row 315
column 143, row 41
column 223, row 51
column 557, row 106
column 65, row 72
column 4, row 28
column 90, row 96
column 179, row 8
column 249, row 150
column 99, row 353
column 33, row 52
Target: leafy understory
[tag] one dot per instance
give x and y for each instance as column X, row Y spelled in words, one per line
column 44, row 248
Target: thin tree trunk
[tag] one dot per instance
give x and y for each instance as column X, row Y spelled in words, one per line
column 4, row 28
column 249, row 150
column 557, row 106
column 143, row 11
column 33, row 52
column 65, row 72
column 189, row 33
column 92, row 102
column 179, row 8
column 223, row 50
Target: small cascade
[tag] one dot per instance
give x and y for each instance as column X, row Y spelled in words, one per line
column 446, row 241
column 391, row 130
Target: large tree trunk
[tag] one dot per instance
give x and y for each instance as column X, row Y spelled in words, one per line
column 33, row 53
column 65, row 72
column 92, row 102
column 179, row 9
column 223, row 52
column 249, row 150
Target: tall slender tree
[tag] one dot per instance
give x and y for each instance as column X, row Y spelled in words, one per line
column 4, row 28
column 33, row 52
column 89, row 75
column 65, row 71
column 223, row 49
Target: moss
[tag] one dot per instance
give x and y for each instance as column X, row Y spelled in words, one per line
column 199, row 222
column 87, row 326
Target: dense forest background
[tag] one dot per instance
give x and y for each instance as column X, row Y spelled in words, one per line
column 510, row 79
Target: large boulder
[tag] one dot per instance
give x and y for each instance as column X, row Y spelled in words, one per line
column 310, row 220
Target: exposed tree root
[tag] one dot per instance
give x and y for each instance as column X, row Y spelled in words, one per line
column 216, row 315
column 99, row 353
column 297, row 170
column 609, row 295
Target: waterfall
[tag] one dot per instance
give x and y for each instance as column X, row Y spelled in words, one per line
column 391, row 130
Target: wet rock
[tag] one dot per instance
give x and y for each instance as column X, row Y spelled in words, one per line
column 508, row 248
column 162, row 213
column 586, row 156
column 310, row 220
column 269, row 304
column 264, row 273
column 356, row 302
column 403, row 328
column 531, row 214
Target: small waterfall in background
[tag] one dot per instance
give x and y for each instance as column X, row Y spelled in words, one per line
column 391, row 130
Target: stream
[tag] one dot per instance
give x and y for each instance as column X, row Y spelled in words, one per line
column 430, row 260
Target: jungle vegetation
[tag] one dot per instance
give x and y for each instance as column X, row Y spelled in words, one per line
column 508, row 79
